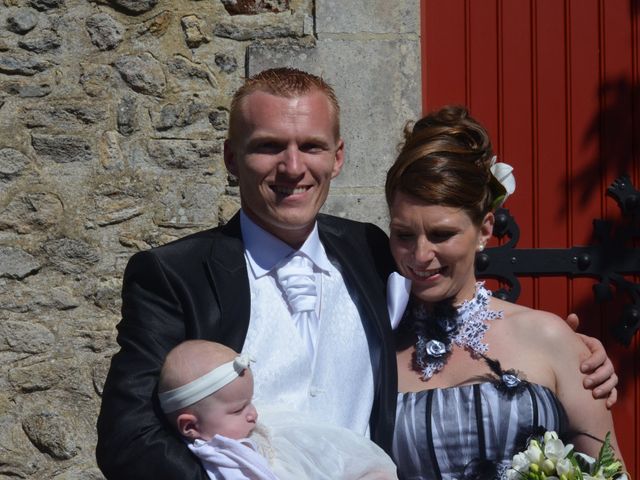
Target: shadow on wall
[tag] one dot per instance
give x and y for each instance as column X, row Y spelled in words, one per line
column 613, row 135
column 612, row 130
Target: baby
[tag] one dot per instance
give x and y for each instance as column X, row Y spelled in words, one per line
column 206, row 389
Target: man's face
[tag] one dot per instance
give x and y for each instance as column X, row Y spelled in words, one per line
column 285, row 154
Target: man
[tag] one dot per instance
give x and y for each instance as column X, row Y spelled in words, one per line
column 231, row 285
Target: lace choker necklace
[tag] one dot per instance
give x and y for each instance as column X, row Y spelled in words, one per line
column 444, row 326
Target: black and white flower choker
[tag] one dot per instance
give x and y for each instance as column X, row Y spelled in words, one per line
column 444, row 326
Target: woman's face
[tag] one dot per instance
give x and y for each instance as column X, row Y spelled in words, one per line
column 435, row 246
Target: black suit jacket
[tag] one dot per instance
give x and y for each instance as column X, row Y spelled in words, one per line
column 197, row 287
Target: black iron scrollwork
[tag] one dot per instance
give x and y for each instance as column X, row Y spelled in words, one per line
column 609, row 259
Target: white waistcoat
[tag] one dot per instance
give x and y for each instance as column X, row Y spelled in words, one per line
column 338, row 388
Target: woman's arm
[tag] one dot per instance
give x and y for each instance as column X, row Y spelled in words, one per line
column 564, row 352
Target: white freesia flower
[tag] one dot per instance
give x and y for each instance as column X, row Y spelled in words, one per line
column 555, row 450
column 513, row 474
column 548, row 466
column 550, row 435
column 566, row 468
column 534, row 453
column 520, row 462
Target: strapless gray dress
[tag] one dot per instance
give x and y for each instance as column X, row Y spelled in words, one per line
column 440, row 433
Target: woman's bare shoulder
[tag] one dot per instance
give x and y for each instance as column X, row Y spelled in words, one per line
column 532, row 323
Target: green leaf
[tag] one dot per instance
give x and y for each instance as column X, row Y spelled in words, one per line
column 606, row 454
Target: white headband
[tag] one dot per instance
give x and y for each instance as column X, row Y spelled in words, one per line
column 207, row 384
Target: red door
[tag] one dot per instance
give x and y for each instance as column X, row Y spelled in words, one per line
column 557, row 84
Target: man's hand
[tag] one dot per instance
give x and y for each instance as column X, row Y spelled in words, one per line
column 600, row 375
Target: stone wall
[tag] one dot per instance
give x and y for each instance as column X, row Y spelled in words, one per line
column 112, row 117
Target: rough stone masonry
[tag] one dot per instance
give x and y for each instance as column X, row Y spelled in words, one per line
column 112, row 119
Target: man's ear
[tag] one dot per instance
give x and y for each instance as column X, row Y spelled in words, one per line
column 230, row 158
column 339, row 160
column 187, row 424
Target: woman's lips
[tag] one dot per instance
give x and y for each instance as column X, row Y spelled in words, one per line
column 427, row 274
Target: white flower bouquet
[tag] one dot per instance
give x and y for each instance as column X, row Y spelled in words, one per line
column 548, row 458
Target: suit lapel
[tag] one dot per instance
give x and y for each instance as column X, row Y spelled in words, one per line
column 228, row 272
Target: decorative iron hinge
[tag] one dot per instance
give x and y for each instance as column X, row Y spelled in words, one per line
column 609, row 259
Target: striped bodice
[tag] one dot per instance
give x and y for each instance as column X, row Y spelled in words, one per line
column 441, row 431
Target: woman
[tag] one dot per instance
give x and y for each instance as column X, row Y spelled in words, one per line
column 476, row 374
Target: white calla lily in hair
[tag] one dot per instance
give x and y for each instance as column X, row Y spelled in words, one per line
column 503, row 173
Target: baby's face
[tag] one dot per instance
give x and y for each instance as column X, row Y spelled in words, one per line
column 229, row 411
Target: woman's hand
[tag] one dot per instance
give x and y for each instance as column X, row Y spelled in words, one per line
column 600, row 378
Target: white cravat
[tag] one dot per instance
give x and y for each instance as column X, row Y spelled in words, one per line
column 298, row 283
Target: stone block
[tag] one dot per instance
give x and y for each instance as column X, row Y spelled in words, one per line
column 62, row 148
column 81, row 472
column 18, row 457
column 364, row 205
column 96, row 79
column 31, row 211
column 254, row 7
column 226, row 63
column 183, row 154
column 12, row 163
column 16, row 263
column 127, row 118
column 373, row 16
column 132, row 6
column 64, row 116
column 51, row 373
column 49, row 433
column 40, row 41
column 35, row 89
column 219, row 119
column 22, row 21
column 186, row 75
column 105, row 31
column 193, row 28
column 142, row 73
column 156, row 26
column 262, row 27
column 24, row 337
column 45, row 5
column 188, row 206
column 15, row 64
column 178, row 115
column 70, row 255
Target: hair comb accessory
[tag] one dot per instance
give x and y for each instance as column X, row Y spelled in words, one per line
column 207, row 384
column 503, row 174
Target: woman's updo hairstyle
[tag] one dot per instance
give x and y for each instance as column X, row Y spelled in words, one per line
column 446, row 160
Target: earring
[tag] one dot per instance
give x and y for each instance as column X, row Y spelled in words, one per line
column 481, row 247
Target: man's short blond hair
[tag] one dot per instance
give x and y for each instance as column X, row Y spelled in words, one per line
column 283, row 82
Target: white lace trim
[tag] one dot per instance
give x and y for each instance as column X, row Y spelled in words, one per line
column 472, row 319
